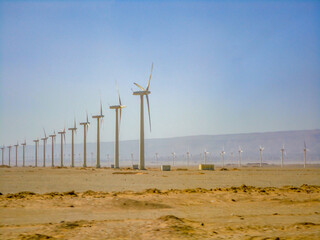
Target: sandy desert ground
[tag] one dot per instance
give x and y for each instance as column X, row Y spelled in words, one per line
column 245, row 203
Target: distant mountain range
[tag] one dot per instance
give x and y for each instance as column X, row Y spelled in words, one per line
column 271, row 141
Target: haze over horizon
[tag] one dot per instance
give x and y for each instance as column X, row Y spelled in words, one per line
column 219, row 67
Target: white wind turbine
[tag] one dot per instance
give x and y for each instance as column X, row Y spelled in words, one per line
column 63, row 136
column 36, row 152
column 188, row 157
column 53, row 140
column 73, row 130
column 85, row 128
column 132, row 159
column 23, row 152
column 173, row 157
column 239, row 161
column 305, row 154
column 17, row 145
column 144, row 92
column 282, row 152
column 44, row 147
column 205, row 156
column 157, row 157
column 222, row 156
column 9, row 154
column 2, row 148
column 99, row 119
column 261, row 150
column 118, row 109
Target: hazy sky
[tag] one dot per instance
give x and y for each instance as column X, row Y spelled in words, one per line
column 219, row 66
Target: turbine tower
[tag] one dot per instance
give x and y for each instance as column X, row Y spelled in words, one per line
column 99, row 118
column 205, row 156
column 282, row 151
column 131, row 158
column 9, row 154
column 157, row 157
column 222, row 156
column 73, row 130
column 17, row 145
column 173, row 157
column 2, row 148
column 188, row 157
column 53, row 140
column 63, row 136
column 305, row 154
column 36, row 152
column 118, row 109
column 261, row 149
column 239, row 161
column 44, row 147
column 143, row 92
column 85, row 128
column 23, row 152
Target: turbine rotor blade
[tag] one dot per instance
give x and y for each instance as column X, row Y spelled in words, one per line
column 100, row 107
column 148, row 111
column 139, row 86
column 150, row 77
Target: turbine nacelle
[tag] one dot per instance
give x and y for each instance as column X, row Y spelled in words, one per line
column 117, row 106
column 141, row 93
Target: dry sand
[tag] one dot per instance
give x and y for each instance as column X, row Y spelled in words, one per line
column 246, row 203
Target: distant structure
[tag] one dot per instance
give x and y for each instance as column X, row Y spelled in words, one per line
column 157, row 157
column 118, row 110
column 36, row 152
column 305, row 154
column 188, row 157
column 205, row 155
column 143, row 92
column 173, row 157
column 63, row 136
column 73, row 130
column 239, row 161
column 9, row 154
column 231, row 153
column 44, row 147
column 17, row 145
column 282, row 152
column 53, row 139
column 131, row 158
column 23, row 152
column 222, row 156
column 85, row 128
column 2, row 148
column 99, row 118
column 261, row 150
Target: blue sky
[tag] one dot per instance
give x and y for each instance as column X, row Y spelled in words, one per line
column 219, row 66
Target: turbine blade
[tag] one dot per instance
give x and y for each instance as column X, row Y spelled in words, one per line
column 87, row 116
column 75, row 123
column 148, row 111
column 139, row 86
column 150, row 77
column 100, row 107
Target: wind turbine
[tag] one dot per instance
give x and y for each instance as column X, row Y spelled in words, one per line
column 261, row 149
column 2, row 148
column 282, row 151
column 99, row 118
column 36, row 152
column 44, row 147
column 144, row 92
column 74, row 129
column 222, row 156
column 205, row 156
column 305, row 154
column 157, row 157
column 9, row 154
column 173, row 157
column 23, row 152
column 17, row 145
column 188, row 157
column 231, row 153
column 63, row 136
column 85, row 128
column 118, row 109
column 53, row 140
column 132, row 159
column 239, row 151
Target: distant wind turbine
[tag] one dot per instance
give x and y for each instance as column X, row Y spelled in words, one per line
column 222, row 156
column 118, row 109
column 63, row 136
column 36, row 152
column 9, row 154
column 282, row 151
column 2, row 148
column 144, row 92
column 23, row 152
column 173, row 157
column 132, row 159
column 99, row 119
column 17, row 145
column 261, row 150
column 73, row 130
column 53, row 140
column 305, row 154
column 85, row 128
column 239, row 161
column 205, row 156
column 157, row 157
column 44, row 147
column 188, row 157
